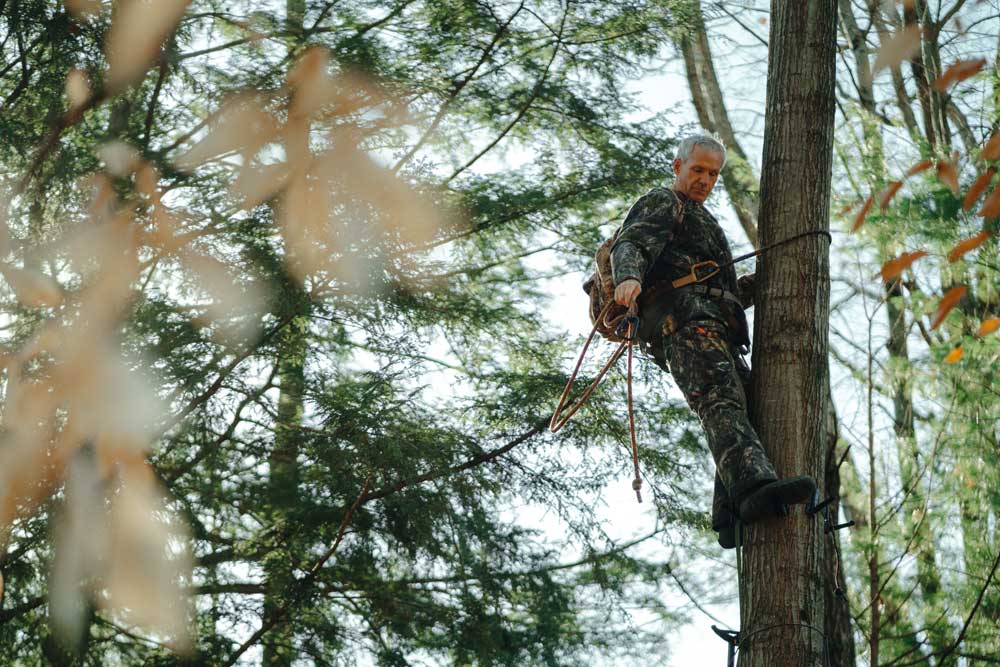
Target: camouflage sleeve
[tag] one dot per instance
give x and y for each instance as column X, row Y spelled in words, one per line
column 647, row 228
column 627, row 262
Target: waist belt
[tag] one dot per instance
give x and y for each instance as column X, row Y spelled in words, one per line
column 716, row 292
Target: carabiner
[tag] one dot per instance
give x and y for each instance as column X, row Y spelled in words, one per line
column 630, row 323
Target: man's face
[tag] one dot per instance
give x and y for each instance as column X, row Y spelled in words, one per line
column 696, row 176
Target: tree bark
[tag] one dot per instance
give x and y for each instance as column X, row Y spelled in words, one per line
column 782, row 585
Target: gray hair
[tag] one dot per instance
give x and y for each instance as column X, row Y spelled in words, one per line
column 689, row 142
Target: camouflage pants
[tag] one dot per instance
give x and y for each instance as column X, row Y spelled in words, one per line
column 714, row 380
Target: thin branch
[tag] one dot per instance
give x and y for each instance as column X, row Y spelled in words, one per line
column 524, row 109
column 280, row 613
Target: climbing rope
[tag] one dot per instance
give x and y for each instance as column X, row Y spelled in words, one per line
column 700, row 272
column 558, row 420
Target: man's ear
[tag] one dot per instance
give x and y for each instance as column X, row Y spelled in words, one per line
column 677, row 166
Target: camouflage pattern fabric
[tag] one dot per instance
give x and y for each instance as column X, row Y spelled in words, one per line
column 713, row 378
column 663, row 236
column 696, row 336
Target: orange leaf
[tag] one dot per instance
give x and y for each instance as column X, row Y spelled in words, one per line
column 897, row 48
column 960, row 70
column 991, row 151
column 948, row 175
column 894, row 267
column 977, row 188
column 968, row 245
column 859, row 219
column 923, row 165
column 953, row 356
column 948, row 301
column 988, row 326
column 991, row 207
column 889, row 193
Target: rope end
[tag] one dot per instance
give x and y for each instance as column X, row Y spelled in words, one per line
column 636, row 486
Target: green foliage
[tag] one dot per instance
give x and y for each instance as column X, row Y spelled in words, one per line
column 427, row 378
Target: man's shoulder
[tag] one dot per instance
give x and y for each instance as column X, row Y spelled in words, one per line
column 659, row 197
column 658, row 202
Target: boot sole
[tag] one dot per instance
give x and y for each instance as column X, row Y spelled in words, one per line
column 772, row 500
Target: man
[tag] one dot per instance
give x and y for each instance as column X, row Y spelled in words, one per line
column 700, row 331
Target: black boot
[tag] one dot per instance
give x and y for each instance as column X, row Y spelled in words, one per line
column 726, row 535
column 772, row 499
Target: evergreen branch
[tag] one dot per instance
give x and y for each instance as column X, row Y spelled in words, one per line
column 524, row 109
column 479, row 459
column 302, row 584
column 203, row 397
column 23, row 608
column 515, row 574
column 456, row 89
column 151, row 112
column 965, row 627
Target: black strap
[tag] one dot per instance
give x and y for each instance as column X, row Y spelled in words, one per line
column 761, row 251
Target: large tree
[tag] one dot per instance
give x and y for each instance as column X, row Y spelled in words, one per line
column 782, row 603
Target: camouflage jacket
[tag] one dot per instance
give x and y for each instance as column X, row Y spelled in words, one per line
column 662, row 237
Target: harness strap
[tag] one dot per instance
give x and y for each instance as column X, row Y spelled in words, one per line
column 716, row 292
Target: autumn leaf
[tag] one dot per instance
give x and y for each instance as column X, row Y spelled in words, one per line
column 82, row 8
column 889, row 193
column 894, row 267
column 919, row 167
column 988, row 326
column 977, row 188
column 991, row 207
column 137, row 32
column 897, row 48
column 954, row 356
column 968, row 245
column 948, row 175
column 948, row 301
column 991, row 151
column 859, row 219
column 33, row 288
column 960, row 70
column 239, row 126
column 77, row 88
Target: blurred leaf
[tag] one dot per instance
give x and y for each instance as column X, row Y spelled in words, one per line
column 897, row 48
column 948, row 174
column 977, row 188
column 121, row 159
column 137, row 31
column 889, row 193
column 894, row 267
column 33, row 288
column 960, row 70
column 988, row 326
column 859, row 219
column 948, row 301
column 919, row 167
column 991, row 151
column 149, row 559
column 991, row 206
column 968, row 245
column 77, row 88
column 240, row 126
column 954, row 356
column 83, row 7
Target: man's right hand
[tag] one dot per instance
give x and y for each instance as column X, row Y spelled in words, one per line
column 627, row 292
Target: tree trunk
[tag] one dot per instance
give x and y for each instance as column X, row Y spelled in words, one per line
column 283, row 480
column 782, row 585
column 839, row 634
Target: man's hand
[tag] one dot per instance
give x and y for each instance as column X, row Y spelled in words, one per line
column 627, row 292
